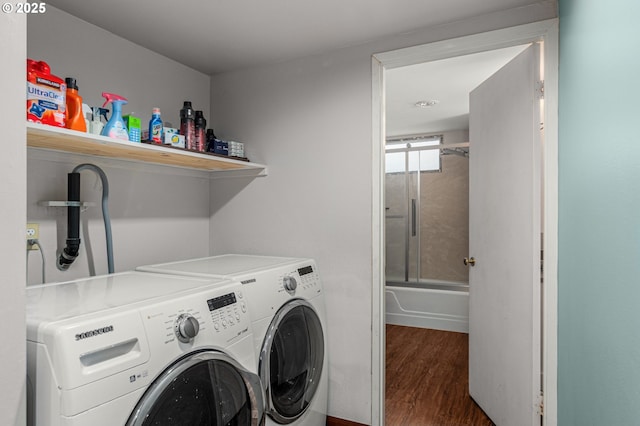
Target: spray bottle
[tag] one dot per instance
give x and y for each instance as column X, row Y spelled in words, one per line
column 115, row 127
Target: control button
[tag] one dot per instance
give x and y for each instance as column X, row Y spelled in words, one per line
column 238, row 317
column 231, row 322
column 216, row 325
column 239, row 295
column 186, row 328
column 290, row 284
column 224, row 323
column 243, row 307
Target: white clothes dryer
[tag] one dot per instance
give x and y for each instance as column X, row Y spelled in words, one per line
column 286, row 304
column 141, row 349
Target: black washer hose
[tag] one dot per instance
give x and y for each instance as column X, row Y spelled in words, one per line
column 70, row 252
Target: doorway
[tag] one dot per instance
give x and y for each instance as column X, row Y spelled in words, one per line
column 383, row 63
column 427, row 233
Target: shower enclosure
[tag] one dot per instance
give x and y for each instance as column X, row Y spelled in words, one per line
column 427, row 233
column 427, row 212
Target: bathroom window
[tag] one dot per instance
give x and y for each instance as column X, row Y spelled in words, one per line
column 423, row 157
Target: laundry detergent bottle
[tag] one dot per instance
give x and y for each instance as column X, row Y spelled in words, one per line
column 115, row 127
column 75, row 114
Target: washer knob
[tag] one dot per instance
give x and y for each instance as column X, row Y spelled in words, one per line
column 186, row 328
column 290, row 284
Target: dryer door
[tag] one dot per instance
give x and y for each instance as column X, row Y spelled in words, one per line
column 291, row 360
column 202, row 389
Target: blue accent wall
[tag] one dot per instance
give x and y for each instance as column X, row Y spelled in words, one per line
column 599, row 208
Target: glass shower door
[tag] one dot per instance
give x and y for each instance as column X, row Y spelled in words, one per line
column 395, row 224
column 404, row 163
column 401, row 220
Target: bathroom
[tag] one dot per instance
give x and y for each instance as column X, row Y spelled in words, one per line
column 427, row 188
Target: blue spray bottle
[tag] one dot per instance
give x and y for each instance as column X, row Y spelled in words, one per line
column 115, row 127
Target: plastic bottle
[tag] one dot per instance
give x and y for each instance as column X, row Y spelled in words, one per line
column 187, row 125
column 115, row 127
column 87, row 113
column 211, row 141
column 96, row 124
column 75, row 115
column 46, row 95
column 155, row 127
column 200, row 126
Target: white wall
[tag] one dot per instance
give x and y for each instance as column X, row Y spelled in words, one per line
column 157, row 213
column 12, row 225
column 103, row 62
column 310, row 121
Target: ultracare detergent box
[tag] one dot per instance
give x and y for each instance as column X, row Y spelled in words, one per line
column 46, row 95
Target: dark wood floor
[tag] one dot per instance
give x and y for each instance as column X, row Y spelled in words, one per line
column 427, row 379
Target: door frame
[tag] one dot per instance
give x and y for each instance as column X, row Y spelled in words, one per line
column 546, row 31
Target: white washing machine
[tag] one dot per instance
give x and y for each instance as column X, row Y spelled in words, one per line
column 141, row 349
column 286, row 304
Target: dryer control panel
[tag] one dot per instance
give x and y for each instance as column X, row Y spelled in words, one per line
column 303, row 281
column 268, row 290
column 309, row 279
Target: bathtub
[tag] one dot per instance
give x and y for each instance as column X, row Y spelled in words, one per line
column 439, row 305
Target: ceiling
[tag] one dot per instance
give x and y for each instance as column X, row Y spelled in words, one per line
column 447, row 82
column 215, row 36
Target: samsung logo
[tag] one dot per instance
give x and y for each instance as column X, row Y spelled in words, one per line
column 252, row 280
column 96, row 332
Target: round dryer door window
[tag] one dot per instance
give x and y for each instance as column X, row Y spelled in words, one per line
column 202, row 389
column 291, row 360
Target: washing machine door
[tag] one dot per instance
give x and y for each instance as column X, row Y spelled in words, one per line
column 291, row 360
column 202, row 389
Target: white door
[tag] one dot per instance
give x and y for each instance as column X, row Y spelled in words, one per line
column 504, row 239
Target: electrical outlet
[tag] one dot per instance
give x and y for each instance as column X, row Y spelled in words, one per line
column 33, row 233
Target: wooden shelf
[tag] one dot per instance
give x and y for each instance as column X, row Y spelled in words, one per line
column 65, row 140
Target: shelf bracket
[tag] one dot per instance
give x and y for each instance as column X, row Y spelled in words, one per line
column 84, row 205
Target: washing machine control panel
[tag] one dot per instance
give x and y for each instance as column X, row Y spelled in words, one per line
column 205, row 317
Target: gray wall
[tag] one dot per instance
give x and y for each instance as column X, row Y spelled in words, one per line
column 599, row 225
column 12, row 226
column 310, row 121
column 157, row 213
column 103, row 62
